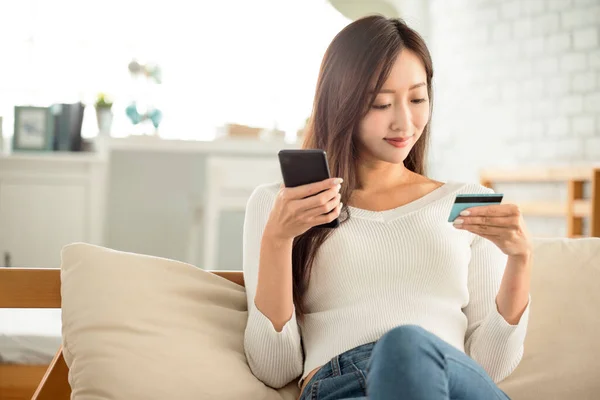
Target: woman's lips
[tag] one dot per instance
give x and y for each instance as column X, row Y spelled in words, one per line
column 399, row 142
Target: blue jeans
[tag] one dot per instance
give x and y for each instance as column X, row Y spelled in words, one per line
column 407, row 363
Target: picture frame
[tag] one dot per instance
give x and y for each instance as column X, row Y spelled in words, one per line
column 33, row 129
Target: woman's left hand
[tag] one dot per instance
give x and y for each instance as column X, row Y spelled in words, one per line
column 502, row 224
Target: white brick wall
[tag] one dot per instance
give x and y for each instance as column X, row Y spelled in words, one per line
column 586, row 38
column 516, row 83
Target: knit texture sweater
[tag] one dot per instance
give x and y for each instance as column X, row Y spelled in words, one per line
column 380, row 270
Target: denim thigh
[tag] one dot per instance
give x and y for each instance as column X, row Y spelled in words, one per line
column 343, row 377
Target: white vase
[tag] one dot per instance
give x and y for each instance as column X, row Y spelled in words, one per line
column 104, row 117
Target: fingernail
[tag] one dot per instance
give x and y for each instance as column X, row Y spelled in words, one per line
column 339, row 187
column 465, row 213
column 341, row 204
column 458, row 221
column 339, row 180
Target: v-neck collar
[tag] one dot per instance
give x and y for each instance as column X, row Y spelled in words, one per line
column 394, row 213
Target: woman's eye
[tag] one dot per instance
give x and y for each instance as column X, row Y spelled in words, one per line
column 417, row 101
column 381, row 107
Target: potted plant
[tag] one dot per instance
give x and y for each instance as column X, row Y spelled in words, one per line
column 104, row 113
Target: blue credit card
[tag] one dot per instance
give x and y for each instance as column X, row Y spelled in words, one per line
column 464, row 201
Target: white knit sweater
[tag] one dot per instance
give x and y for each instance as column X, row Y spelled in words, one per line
column 377, row 271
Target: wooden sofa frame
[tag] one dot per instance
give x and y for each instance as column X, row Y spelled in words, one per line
column 40, row 288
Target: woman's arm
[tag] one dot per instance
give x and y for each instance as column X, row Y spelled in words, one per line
column 499, row 281
column 274, row 217
column 294, row 211
column 513, row 296
column 490, row 339
column 503, row 225
column 272, row 345
column 274, row 296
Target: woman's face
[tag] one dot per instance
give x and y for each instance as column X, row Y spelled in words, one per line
column 399, row 114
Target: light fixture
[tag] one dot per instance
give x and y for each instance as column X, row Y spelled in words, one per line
column 355, row 9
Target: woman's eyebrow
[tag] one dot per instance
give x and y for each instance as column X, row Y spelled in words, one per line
column 416, row 85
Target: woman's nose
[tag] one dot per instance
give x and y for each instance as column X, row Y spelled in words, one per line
column 401, row 119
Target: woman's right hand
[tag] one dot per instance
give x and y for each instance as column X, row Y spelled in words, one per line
column 298, row 209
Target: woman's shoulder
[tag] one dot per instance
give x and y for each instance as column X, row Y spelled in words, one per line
column 473, row 188
column 267, row 189
column 263, row 196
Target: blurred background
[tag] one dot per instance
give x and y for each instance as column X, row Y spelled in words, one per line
column 144, row 126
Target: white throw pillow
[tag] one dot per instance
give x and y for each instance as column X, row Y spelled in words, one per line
column 142, row 327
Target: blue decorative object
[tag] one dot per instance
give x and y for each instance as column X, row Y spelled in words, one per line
column 153, row 114
column 146, row 78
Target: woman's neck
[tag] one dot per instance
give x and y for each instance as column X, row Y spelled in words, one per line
column 375, row 177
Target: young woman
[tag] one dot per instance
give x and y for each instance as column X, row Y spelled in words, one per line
column 395, row 303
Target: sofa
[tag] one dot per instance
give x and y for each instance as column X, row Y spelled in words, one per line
column 143, row 327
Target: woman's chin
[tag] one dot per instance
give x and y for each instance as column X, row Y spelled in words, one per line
column 396, row 160
column 396, row 156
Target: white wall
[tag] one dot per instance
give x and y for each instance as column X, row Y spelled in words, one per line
column 516, row 83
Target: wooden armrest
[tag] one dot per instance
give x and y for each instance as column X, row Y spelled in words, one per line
column 30, row 288
column 55, row 383
column 40, row 287
column 233, row 276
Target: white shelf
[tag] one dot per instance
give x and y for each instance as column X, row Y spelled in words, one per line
column 228, row 146
column 53, row 156
column 104, row 146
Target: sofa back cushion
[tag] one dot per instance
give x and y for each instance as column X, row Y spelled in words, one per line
column 562, row 350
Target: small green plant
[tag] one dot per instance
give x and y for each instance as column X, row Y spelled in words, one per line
column 102, row 101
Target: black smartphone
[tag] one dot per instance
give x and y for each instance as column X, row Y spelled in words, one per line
column 304, row 166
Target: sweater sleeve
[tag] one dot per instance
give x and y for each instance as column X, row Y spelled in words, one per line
column 491, row 341
column 274, row 357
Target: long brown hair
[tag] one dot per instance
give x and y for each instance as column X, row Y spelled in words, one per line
column 355, row 65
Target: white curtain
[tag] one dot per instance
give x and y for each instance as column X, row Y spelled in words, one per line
column 240, row 61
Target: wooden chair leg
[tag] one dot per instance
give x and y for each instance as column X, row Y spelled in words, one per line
column 574, row 223
column 595, row 202
column 55, row 383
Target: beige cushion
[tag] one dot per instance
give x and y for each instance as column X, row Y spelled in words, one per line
column 562, row 348
column 141, row 327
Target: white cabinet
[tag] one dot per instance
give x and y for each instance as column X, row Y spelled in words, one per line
column 182, row 200
column 185, row 200
column 37, row 219
column 46, row 202
column 230, row 180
